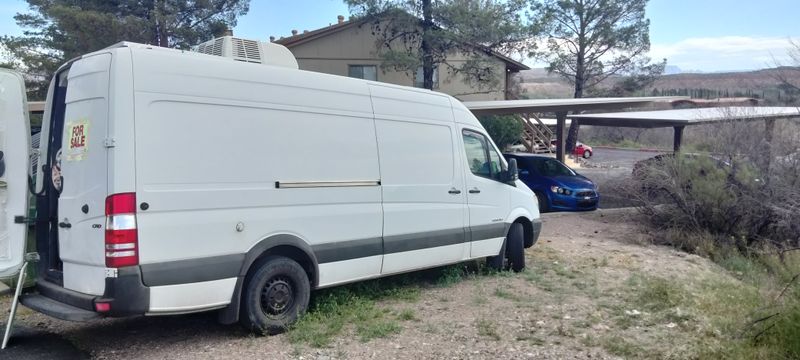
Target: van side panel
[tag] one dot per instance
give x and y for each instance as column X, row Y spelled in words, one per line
column 423, row 189
column 228, row 154
column 84, row 171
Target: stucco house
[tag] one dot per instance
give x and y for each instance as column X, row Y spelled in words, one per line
column 348, row 48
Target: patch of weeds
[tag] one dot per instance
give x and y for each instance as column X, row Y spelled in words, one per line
column 430, row 328
column 503, row 294
column 603, row 262
column 450, row 275
column 407, row 315
column 582, row 324
column 538, row 277
column 625, row 322
column 333, row 310
column 617, row 345
column 376, row 329
column 566, row 272
column 743, row 268
column 296, row 350
column 678, row 316
column 655, row 293
column 480, row 300
column 531, row 338
column 487, row 328
column 563, row 330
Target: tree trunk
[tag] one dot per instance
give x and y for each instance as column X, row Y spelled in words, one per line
column 427, row 51
column 574, row 126
column 161, row 38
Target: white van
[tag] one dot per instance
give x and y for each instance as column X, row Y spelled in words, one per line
column 174, row 182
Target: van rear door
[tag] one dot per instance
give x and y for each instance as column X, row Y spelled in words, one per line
column 15, row 146
column 84, row 175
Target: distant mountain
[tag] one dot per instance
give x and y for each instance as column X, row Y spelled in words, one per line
column 755, row 80
column 537, row 83
column 672, row 69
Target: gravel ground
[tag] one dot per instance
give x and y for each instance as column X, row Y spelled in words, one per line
column 558, row 308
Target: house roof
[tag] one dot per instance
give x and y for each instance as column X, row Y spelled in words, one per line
column 302, row 38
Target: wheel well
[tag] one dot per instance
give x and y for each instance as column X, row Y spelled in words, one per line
column 295, row 254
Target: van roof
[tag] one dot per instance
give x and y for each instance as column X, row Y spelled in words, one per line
column 138, row 46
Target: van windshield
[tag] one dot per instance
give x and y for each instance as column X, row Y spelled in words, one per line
column 547, row 167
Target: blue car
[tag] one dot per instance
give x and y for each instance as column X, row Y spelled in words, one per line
column 556, row 185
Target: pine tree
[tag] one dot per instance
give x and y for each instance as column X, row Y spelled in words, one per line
column 58, row 30
column 417, row 34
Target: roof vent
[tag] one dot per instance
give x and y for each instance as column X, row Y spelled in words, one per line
column 250, row 51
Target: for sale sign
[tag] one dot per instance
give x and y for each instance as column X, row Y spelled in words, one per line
column 77, row 139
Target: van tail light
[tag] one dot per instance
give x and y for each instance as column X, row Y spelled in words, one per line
column 122, row 239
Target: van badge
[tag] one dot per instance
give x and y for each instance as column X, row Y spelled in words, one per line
column 96, row 226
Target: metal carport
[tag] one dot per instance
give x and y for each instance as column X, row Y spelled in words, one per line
column 561, row 107
column 679, row 119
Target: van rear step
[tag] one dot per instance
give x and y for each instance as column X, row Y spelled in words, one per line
column 57, row 309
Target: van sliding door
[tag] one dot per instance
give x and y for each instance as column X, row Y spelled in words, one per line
column 423, row 189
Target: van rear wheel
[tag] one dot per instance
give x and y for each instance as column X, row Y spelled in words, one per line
column 276, row 293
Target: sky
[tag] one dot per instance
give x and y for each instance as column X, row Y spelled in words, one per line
column 694, row 35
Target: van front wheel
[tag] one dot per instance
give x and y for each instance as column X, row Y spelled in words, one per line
column 276, row 293
column 515, row 247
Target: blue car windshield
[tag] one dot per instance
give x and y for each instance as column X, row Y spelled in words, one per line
column 548, row 167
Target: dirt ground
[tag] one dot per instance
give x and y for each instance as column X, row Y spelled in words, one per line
column 577, row 299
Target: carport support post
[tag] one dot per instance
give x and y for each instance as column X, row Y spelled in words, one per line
column 676, row 140
column 769, row 129
column 561, row 122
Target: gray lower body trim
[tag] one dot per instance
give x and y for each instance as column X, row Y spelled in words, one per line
column 346, row 250
column 192, row 270
column 229, row 266
column 489, row 231
column 408, row 242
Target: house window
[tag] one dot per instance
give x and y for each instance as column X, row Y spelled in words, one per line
column 366, row 72
column 419, row 81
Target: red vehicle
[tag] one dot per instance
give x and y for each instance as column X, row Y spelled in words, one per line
column 581, row 149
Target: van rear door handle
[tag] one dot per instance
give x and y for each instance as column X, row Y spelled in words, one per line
column 454, row 191
column 64, row 225
column 474, row 191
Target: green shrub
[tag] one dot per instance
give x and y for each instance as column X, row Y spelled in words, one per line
column 504, row 130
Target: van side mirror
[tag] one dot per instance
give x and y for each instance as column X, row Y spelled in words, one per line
column 511, row 175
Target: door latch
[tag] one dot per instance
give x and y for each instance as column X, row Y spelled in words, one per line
column 20, row 219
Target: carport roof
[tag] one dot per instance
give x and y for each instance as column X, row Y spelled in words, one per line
column 683, row 117
column 560, row 105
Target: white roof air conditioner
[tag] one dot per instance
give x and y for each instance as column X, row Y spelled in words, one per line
column 248, row 51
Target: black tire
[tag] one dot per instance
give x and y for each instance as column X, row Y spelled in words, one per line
column 542, row 202
column 515, row 249
column 587, row 154
column 276, row 293
column 498, row 261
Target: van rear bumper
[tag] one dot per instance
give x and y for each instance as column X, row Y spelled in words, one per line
column 126, row 295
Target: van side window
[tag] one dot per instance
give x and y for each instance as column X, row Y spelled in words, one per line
column 482, row 159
